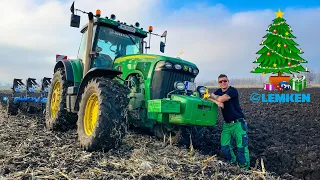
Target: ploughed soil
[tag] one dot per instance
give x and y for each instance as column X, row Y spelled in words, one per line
column 285, row 136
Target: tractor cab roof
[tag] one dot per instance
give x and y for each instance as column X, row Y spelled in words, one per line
column 118, row 26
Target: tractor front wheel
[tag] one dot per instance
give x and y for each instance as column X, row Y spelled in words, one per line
column 102, row 114
column 57, row 117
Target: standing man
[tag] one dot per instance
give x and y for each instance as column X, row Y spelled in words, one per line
column 234, row 130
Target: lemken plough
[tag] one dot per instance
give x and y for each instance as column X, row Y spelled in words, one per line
column 27, row 97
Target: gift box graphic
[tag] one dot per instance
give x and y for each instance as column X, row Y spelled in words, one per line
column 298, row 83
column 285, row 85
column 268, row 86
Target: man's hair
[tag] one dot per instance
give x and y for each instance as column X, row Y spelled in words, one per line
column 222, row 75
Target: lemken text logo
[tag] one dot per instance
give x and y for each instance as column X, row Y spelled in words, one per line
column 280, row 98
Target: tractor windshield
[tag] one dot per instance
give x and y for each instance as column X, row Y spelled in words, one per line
column 112, row 44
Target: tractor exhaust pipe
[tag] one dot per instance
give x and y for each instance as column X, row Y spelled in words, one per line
column 87, row 58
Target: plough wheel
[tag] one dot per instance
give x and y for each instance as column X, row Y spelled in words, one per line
column 102, row 114
column 12, row 109
column 57, row 117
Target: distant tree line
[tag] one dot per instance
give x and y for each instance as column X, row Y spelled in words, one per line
column 237, row 81
column 5, row 85
column 312, row 78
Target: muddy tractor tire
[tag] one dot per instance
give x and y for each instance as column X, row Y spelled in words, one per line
column 57, row 117
column 12, row 109
column 102, row 114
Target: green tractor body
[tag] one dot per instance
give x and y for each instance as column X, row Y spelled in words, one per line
column 151, row 83
column 112, row 78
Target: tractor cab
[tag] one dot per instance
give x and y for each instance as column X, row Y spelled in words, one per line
column 111, row 39
column 111, row 44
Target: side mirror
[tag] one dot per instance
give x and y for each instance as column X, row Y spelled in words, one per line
column 75, row 21
column 164, row 34
column 162, row 45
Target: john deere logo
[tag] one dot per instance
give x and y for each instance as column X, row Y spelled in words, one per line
column 185, row 68
column 119, row 68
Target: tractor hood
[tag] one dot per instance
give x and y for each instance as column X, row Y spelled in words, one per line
column 175, row 60
column 156, row 58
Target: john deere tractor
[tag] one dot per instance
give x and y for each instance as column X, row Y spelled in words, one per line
column 113, row 83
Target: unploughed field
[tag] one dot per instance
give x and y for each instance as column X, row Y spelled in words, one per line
column 284, row 135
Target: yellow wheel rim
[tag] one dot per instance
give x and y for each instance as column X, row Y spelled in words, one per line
column 55, row 100
column 91, row 114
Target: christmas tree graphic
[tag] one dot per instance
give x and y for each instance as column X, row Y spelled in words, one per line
column 279, row 54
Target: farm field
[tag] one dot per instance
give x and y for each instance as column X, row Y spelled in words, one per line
column 286, row 136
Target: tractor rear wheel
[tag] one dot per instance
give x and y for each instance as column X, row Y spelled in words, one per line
column 57, row 117
column 12, row 109
column 102, row 114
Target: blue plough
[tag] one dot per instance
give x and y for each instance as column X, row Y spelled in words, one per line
column 24, row 96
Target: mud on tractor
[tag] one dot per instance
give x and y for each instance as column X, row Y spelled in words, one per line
column 113, row 83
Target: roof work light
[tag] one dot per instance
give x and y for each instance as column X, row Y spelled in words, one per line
column 98, row 13
column 150, row 29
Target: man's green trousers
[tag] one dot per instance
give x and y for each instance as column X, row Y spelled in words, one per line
column 234, row 135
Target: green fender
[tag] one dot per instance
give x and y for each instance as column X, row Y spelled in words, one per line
column 94, row 72
column 67, row 66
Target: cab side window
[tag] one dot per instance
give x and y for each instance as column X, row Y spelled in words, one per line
column 82, row 47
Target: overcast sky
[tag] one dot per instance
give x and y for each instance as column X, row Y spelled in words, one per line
column 217, row 37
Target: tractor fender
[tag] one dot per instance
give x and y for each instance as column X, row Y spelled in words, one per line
column 94, row 72
column 66, row 64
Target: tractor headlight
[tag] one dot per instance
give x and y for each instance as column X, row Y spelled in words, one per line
column 190, row 69
column 201, row 89
column 195, row 71
column 177, row 66
column 160, row 64
column 179, row 85
column 168, row 65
